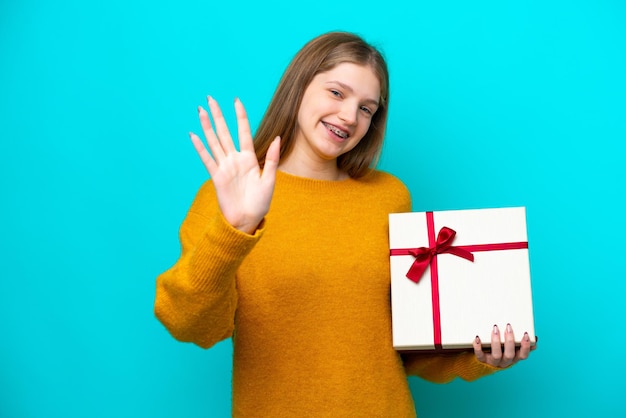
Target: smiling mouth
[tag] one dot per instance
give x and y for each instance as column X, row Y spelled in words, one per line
column 340, row 133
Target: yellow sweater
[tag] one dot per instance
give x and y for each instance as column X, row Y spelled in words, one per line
column 306, row 300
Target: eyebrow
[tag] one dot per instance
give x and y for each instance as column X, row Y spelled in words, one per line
column 347, row 87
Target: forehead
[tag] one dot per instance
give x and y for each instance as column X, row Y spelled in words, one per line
column 361, row 79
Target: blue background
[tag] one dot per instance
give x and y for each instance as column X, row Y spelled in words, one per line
column 494, row 103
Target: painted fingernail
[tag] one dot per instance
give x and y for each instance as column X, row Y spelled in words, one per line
column 508, row 328
column 495, row 329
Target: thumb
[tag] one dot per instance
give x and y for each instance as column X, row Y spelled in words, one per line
column 271, row 159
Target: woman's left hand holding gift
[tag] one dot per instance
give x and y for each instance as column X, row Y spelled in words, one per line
column 507, row 356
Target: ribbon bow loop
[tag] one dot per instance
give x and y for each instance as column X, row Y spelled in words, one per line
column 424, row 255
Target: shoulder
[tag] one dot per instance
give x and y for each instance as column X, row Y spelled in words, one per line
column 388, row 186
column 378, row 178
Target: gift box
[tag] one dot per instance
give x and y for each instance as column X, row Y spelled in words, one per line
column 456, row 273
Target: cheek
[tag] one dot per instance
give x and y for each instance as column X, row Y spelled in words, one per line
column 364, row 125
column 361, row 134
column 301, row 121
column 306, row 112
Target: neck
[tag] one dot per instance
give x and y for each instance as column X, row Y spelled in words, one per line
column 324, row 171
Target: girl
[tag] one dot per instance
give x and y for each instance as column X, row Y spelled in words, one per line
column 285, row 249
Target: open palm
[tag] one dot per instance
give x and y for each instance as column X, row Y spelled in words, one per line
column 244, row 191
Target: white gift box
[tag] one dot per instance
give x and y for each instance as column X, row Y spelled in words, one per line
column 455, row 299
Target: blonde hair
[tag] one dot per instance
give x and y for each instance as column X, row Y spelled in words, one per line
column 319, row 55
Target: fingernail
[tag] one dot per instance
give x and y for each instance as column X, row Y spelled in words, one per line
column 526, row 337
column 209, row 98
column 477, row 340
column 199, row 109
column 508, row 328
column 495, row 329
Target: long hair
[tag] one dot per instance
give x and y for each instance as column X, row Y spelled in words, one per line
column 320, row 55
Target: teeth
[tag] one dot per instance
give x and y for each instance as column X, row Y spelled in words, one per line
column 337, row 132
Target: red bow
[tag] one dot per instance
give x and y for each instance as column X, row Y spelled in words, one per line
column 423, row 255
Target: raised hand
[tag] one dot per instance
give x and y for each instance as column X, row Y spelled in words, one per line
column 244, row 191
column 510, row 355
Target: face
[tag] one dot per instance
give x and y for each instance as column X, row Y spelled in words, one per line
column 336, row 111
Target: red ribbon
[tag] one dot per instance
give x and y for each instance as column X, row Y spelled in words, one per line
column 427, row 256
column 423, row 256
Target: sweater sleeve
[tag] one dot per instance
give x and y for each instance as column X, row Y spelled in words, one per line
column 196, row 298
column 444, row 367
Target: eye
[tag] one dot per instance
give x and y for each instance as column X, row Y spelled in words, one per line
column 335, row 93
column 367, row 110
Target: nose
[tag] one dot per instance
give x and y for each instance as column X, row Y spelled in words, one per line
column 348, row 113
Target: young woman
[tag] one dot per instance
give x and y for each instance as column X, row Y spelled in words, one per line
column 285, row 249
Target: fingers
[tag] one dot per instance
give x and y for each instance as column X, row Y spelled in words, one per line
column 478, row 350
column 219, row 139
column 271, row 159
column 206, row 158
column 496, row 346
column 503, row 355
column 243, row 127
column 221, row 129
column 524, row 349
column 509, row 347
column 207, row 128
column 507, row 357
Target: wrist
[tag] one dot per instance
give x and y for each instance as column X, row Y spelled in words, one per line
column 248, row 229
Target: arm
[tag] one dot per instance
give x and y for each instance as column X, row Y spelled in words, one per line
column 444, row 367
column 196, row 299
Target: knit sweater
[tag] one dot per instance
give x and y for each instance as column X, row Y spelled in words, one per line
column 306, row 299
